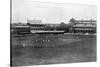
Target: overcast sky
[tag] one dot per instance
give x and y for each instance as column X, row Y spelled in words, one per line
column 50, row 12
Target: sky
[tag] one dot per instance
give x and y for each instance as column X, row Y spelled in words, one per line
column 50, row 12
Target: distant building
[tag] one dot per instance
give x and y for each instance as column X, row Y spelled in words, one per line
column 35, row 24
column 38, row 25
column 84, row 26
column 20, row 30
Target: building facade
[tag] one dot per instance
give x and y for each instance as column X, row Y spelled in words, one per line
column 83, row 26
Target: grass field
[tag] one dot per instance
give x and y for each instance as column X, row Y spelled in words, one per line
column 57, row 49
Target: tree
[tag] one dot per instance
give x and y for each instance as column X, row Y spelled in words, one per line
column 70, row 25
column 72, row 20
column 63, row 25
